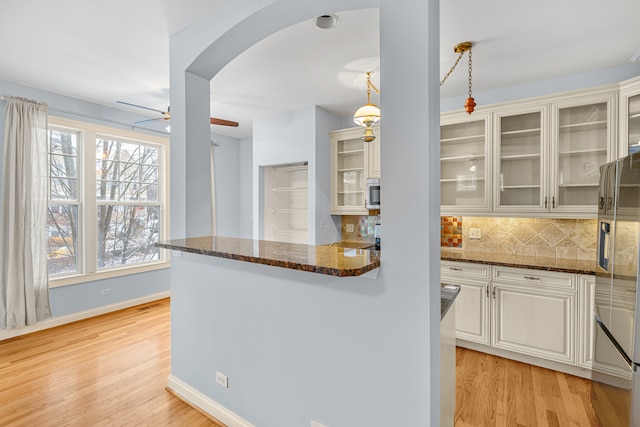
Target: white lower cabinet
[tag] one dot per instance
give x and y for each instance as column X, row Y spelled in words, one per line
column 534, row 313
column 534, row 321
column 472, row 303
column 516, row 311
column 586, row 324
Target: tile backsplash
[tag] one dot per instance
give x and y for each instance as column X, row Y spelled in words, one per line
column 451, row 232
column 362, row 228
column 548, row 237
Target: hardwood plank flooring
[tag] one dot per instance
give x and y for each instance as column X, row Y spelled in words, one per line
column 110, row 370
column 493, row 391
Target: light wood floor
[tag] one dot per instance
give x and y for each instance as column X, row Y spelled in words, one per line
column 492, row 391
column 112, row 370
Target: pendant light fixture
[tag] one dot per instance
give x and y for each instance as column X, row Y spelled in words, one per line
column 369, row 114
column 460, row 49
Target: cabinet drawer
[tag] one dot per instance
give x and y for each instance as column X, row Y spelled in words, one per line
column 464, row 269
column 520, row 276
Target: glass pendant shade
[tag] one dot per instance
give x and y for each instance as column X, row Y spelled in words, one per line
column 367, row 115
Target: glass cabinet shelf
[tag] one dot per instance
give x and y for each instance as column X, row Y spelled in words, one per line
column 353, row 152
column 462, row 157
column 520, row 156
column 278, row 189
column 479, row 138
column 601, row 124
column 522, row 132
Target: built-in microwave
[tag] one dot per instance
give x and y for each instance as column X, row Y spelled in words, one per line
column 373, row 193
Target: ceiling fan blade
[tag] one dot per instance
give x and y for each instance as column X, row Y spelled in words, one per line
column 151, row 120
column 223, row 122
column 141, row 106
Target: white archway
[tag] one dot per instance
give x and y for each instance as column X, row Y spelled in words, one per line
column 382, row 367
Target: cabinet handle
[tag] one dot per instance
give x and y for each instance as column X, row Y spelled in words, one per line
column 487, row 289
column 531, row 278
column 545, row 202
column 553, row 202
column 494, row 293
column 601, row 203
column 455, row 268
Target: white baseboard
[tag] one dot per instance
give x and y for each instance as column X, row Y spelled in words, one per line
column 194, row 398
column 63, row 320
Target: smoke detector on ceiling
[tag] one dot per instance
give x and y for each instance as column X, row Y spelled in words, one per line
column 326, row 22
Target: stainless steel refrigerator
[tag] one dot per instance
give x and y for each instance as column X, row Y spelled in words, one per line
column 615, row 392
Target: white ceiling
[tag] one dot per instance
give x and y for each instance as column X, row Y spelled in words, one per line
column 119, row 50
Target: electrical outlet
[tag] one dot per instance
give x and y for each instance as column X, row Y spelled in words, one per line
column 349, row 228
column 105, row 292
column 222, row 380
column 322, row 223
column 475, row 233
column 316, row 424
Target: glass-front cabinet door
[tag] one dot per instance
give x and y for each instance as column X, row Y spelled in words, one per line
column 520, row 174
column 349, row 156
column 633, row 136
column 580, row 141
column 465, row 163
column 630, row 114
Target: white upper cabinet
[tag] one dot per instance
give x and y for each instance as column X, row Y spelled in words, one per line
column 465, row 163
column 352, row 162
column 629, row 117
column 583, row 135
column 521, row 170
column 548, row 156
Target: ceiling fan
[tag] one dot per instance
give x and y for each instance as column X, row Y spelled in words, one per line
column 167, row 116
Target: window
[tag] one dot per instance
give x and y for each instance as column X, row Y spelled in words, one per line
column 107, row 201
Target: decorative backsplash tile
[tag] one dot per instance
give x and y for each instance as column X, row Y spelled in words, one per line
column 363, row 228
column 548, row 237
column 451, row 231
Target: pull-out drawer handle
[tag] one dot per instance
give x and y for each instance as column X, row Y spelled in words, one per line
column 531, row 278
column 455, row 268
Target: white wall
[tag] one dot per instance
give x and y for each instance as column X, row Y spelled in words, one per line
column 297, row 136
column 85, row 298
column 245, row 188
column 547, row 87
column 328, row 227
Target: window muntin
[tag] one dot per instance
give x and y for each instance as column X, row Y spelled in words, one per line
column 127, row 182
column 103, row 222
column 62, row 219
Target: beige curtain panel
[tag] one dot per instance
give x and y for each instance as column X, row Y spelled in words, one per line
column 24, row 289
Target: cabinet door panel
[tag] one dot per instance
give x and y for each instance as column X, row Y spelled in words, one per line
column 520, row 147
column 472, row 312
column 581, row 134
column 534, row 322
column 465, row 163
column 349, row 169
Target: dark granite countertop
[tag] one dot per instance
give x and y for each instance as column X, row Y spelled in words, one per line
column 324, row 259
column 520, row 261
column 448, row 295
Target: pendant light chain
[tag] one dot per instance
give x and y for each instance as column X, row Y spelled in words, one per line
column 470, row 72
column 455, row 64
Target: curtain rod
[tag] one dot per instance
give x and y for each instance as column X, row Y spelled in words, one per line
column 89, row 116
